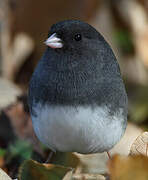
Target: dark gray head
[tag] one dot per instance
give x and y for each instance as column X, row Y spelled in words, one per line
column 78, row 45
column 73, row 36
column 78, row 67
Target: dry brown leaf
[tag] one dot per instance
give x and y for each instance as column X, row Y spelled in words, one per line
column 88, row 177
column 2, row 161
column 8, row 93
column 140, row 145
column 128, row 168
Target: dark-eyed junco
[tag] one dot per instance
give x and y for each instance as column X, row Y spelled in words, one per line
column 77, row 98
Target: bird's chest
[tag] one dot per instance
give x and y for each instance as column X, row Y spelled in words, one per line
column 80, row 129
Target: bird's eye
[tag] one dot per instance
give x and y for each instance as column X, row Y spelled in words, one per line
column 78, row 37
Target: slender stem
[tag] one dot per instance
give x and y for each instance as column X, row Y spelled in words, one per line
column 49, row 157
column 147, row 150
column 109, row 156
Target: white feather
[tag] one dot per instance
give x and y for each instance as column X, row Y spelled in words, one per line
column 77, row 129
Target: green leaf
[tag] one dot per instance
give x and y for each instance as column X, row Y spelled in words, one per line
column 2, row 152
column 67, row 159
column 32, row 170
column 21, row 148
column 124, row 41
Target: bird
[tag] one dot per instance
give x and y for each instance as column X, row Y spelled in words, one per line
column 77, row 97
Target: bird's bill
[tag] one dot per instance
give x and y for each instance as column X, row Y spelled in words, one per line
column 54, row 42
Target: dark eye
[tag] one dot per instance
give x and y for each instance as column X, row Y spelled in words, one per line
column 78, row 37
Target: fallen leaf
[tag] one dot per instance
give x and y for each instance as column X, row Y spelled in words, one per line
column 66, row 159
column 2, row 162
column 88, row 177
column 128, row 168
column 140, row 145
column 4, row 176
column 32, row 170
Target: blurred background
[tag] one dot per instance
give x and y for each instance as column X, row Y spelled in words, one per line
column 24, row 25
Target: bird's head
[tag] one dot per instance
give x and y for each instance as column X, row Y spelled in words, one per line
column 73, row 36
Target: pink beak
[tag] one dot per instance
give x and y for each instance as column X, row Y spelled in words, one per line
column 54, row 42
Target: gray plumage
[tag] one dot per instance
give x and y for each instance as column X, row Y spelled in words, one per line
column 78, row 88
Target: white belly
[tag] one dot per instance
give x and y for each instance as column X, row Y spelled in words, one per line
column 77, row 129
